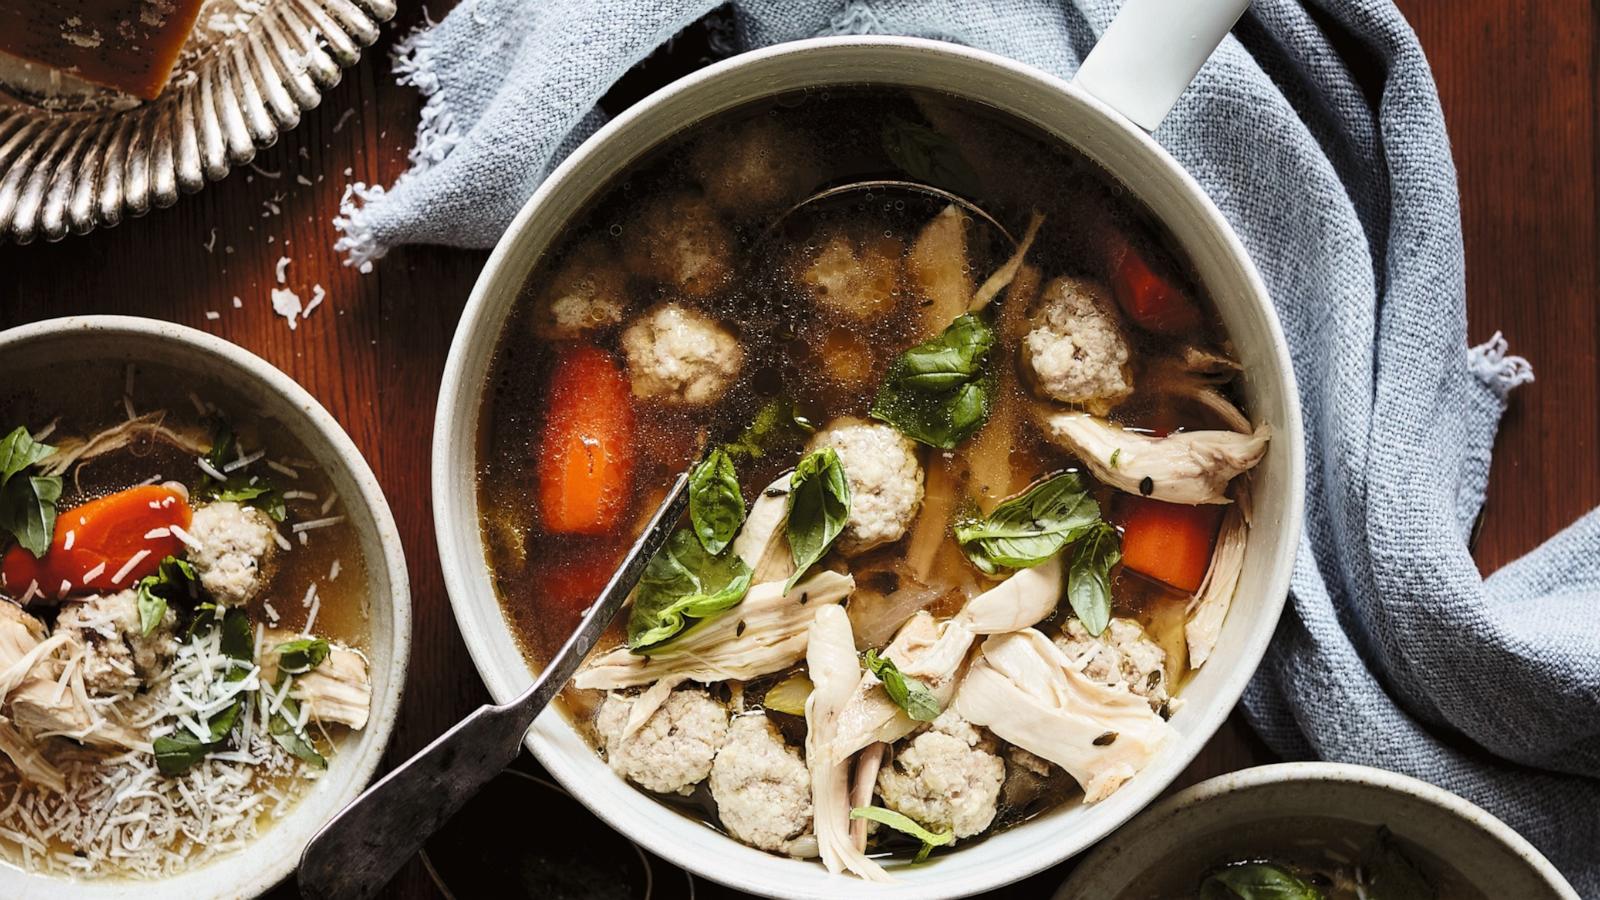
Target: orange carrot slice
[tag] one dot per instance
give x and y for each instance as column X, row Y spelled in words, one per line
column 102, row 546
column 587, row 447
column 1169, row 542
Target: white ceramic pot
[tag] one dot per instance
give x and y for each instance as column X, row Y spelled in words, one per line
column 53, row 349
column 1065, row 110
column 1482, row 849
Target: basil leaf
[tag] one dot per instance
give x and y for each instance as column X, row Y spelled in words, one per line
column 238, row 638
column 939, row 392
column 1388, row 874
column 251, row 490
column 819, row 507
column 18, row 451
column 178, row 752
column 905, row 825
column 285, row 732
column 1256, row 881
column 776, row 426
column 1089, row 576
column 682, row 582
column 907, row 693
column 1031, row 527
column 716, row 507
column 928, row 156
column 300, row 656
column 173, row 579
column 223, row 443
column 28, row 510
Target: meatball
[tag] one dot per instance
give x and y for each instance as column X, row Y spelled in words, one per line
column 234, row 551
column 885, row 481
column 680, row 356
column 946, row 777
column 1122, row 654
column 672, row 751
column 756, row 168
column 1075, row 351
column 118, row 656
column 678, row 240
column 586, row 293
column 761, row 785
column 854, row 277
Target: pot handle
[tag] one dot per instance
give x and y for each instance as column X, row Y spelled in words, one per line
column 1151, row 52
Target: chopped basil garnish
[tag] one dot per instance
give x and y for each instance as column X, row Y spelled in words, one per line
column 683, row 582
column 1256, row 881
column 286, row 731
column 907, row 693
column 1032, row 527
column 302, row 655
column 175, row 753
column 819, row 507
column 716, row 507
column 1089, row 576
column 939, row 392
column 928, row 156
column 776, row 426
column 251, row 490
column 905, row 825
column 27, row 502
column 173, row 579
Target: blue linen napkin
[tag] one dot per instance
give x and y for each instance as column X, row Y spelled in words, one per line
column 1393, row 651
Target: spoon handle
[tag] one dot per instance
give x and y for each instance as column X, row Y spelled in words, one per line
column 361, row 848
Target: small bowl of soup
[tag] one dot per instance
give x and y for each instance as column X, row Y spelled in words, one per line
column 1315, row 831
column 995, row 461
column 204, row 614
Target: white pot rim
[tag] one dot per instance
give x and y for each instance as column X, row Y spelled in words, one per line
column 1000, row 859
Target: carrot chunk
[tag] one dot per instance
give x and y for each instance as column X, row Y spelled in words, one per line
column 1169, row 542
column 587, row 447
column 104, row 545
column 1151, row 299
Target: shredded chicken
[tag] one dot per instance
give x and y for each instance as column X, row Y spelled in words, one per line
column 761, row 542
column 1191, row 467
column 72, row 451
column 1209, row 606
column 1026, row 691
column 339, row 690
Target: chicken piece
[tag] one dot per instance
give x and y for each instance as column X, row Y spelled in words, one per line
column 1026, row 598
column 1122, row 655
column 678, row 239
column 885, row 481
column 765, row 633
column 761, row 785
column 1026, row 691
column 761, row 542
column 946, row 777
column 587, row 292
column 1190, row 467
column 1076, row 352
column 117, row 655
column 1209, row 607
column 31, row 765
column 680, row 356
column 939, row 271
column 235, row 551
column 337, row 690
column 1195, row 375
column 835, row 672
column 19, row 632
column 855, row 276
column 673, row 751
column 754, row 168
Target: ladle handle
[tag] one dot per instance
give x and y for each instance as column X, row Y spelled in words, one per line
column 1145, row 60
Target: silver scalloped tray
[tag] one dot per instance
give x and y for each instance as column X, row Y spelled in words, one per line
column 73, row 157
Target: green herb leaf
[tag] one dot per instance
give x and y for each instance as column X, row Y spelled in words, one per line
column 251, row 490
column 28, row 510
column 18, row 451
column 1031, row 527
column 238, row 638
column 285, row 733
column 1256, row 881
column 928, row 156
column 682, row 582
column 174, row 578
column 222, row 443
column 777, row 426
column 716, row 507
column 300, row 656
column 1388, row 874
column 819, row 507
column 907, row 693
column 1089, row 576
column 176, row 753
column 939, row 392
column 905, row 825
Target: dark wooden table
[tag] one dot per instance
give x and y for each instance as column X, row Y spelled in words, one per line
column 1518, row 81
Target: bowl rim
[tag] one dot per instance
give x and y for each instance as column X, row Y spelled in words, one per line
column 380, row 729
column 499, row 266
column 1314, row 772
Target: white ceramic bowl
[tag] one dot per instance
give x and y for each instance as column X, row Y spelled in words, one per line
column 56, row 346
column 1483, row 849
column 1058, row 108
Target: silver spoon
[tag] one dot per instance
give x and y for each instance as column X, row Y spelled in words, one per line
column 361, row 848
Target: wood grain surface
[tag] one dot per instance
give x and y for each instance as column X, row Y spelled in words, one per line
column 1518, row 81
